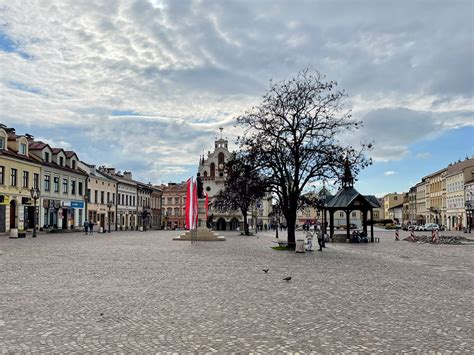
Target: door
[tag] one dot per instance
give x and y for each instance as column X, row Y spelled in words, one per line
column 13, row 213
column 3, row 218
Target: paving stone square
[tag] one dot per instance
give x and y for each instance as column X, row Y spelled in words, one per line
column 142, row 293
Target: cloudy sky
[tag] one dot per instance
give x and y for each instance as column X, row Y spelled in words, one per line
column 145, row 85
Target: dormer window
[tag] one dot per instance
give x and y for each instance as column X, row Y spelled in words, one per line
column 73, row 164
column 61, row 161
column 46, row 157
column 2, row 143
column 22, row 148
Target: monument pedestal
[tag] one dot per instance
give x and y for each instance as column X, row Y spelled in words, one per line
column 202, row 233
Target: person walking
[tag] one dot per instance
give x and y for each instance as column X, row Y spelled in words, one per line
column 86, row 226
column 320, row 236
column 91, row 227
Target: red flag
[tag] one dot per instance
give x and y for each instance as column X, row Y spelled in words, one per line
column 190, row 204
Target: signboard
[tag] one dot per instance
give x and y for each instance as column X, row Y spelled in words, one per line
column 4, row 200
column 77, row 204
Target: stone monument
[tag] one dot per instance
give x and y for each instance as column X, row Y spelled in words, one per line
column 202, row 233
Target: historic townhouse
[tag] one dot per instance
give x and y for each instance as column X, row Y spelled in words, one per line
column 101, row 198
column 174, row 205
column 412, row 205
column 19, row 172
column 127, row 198
column 144, row 192
column 390, row 201
column 421, row 202
column 457, row 176
column 436, row 197
column 156, row 208
column 63, row 186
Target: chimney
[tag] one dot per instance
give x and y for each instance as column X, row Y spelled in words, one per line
column 92, row 168
column 127, row 175
column 111, row 171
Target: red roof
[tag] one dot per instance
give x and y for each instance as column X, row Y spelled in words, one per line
column 37, row 145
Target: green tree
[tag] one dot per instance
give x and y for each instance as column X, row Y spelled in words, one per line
column 243, row 187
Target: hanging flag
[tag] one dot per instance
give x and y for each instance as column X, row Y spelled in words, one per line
column 190, row 204
column 195, row 206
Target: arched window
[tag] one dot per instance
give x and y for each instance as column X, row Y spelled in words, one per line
column 213, row 170
column 205, row 173
column 176, row 211
column 220, row 158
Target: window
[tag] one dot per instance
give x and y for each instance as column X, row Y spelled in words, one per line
column 73, row 187
column 123, row 199
column 2, row 143
column 341, row 214
column 170, row 200
column 113, row 198
column 176, row 211
column 47, row 183
column 23, row 149
column 46, row 156
column 56, row 184
column 133, row 201
column 61, row 161
column 13, row 177
column 353, row 214
column 2, row 175
column 102, row 197
column 74, row 164
column 108, row 197
column 80, row 188
column 126, row 200
column 36, row 181
column 96, row 196
column 64, row 186
column 176, row 200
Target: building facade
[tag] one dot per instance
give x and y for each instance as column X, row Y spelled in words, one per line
column 436, row 197
column 63, row 187
column 412, row 205
column 19, row 172
column 101, row 198
column 458, row 176
column 391, row 200
column 174, row 205
column 156, row 208
column 421, row 202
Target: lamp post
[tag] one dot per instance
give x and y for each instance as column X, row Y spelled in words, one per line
column 35, row 194
column 109, row 206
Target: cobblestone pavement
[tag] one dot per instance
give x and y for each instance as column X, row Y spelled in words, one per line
column 131, row 292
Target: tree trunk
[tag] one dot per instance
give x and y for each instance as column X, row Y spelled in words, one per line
column 291, row 224
column 246, row 225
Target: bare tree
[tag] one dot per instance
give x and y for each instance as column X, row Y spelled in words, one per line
column 243, row 187
column 292, row 135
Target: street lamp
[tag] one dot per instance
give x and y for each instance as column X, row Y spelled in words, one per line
column 35, row 194
column 109, row 206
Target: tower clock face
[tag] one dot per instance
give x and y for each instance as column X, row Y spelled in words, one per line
column 221, row 166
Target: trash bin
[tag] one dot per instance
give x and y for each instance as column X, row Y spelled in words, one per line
column 299, row 246
column 140, row 229
column 14, row 233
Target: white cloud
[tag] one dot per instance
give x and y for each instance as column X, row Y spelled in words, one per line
column 389, row 173
column 178, row 70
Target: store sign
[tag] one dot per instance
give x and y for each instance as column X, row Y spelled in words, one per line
column 26, row 201
column 77, row 204
column 51, row 203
